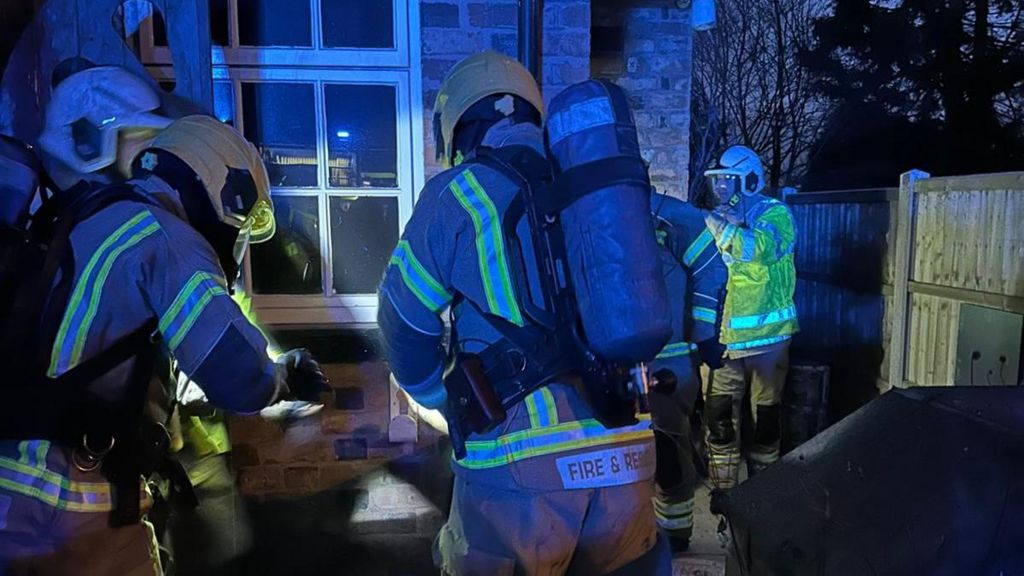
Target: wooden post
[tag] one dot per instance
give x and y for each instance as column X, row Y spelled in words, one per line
column 904, row 271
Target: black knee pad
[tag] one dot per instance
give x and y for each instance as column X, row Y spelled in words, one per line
column 718, row 411
column 767, row 431
column 668, row 471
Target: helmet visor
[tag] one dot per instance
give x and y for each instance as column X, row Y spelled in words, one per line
column 242, row 244
column 725, row 188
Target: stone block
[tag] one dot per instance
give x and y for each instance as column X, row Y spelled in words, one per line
column 492, row 15
column 243, row 455
column 438, row 41
column 301, row 479
column 367, row 423
column 507, row 44
column 350, row 448
column 261, row 479
column 349, row 398
column 253, row 429
column 439, row 15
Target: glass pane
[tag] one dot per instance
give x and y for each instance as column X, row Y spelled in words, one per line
column 224, row 102
column 280, row 120
column 274, row 23
column 358, row 23
column 364, row 232
column 218, row 25
column 362, row 136
column 289, row 263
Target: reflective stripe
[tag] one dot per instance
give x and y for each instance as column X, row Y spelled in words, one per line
column 759, row 342
column 74, row 328
column 748, row 245
column 54, row 489
column 540, row 406
column 33, row 452
column 490, row 246
column 533, row 442
column 674, row 516
column 579, row 117
column 702, row 314
column 188, row 305
column 428, row 290
column 759, row 320
column 727, row 233
column 697, row 247
column 770, row 458
column 676, row 349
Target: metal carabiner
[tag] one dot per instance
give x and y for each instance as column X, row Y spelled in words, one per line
column 85, row 458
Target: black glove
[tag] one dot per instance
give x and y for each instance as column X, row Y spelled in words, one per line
column 665, row 382
column 712, row 353
column 303, row 377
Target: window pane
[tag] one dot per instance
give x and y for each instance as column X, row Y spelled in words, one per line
column 362, row 136
column 280, row 120
column 358, row 23
column 224, row 102
column 364, row 232
column 218, row 25
column 289, row 263
column 274, row 23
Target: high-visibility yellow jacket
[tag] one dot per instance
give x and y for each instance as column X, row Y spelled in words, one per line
column 759, row 308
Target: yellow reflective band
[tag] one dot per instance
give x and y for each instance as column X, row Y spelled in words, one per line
column 564, row 437
column 54, row 489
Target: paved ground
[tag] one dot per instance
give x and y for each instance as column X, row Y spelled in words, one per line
column 706, row 556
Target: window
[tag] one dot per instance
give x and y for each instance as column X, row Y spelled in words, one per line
column 324, row 90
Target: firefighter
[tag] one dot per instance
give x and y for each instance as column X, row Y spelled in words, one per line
column 97, row 121
column 755, row 235
column 153, row 264
column 513, row 509
column 695, row 276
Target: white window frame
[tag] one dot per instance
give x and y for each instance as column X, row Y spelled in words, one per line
column 317, row 55
column 398, row 67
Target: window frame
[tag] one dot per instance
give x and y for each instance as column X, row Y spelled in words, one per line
column 400, row 66
column 317, row 55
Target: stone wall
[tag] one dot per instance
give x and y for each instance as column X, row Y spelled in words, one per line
column 650, row 56
column 454, row 29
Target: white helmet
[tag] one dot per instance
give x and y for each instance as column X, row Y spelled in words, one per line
column 739, row 171
column 89, row 109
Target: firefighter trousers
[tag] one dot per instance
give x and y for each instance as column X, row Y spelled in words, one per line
column 763, row 375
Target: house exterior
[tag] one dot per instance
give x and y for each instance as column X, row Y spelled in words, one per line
column 338, row 96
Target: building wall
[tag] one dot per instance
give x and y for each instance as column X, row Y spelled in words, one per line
column 454, row 29
column 653, row 62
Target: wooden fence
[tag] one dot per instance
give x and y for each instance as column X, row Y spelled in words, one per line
column 959, row 240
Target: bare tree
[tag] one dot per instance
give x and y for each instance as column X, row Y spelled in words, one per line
column 749, row 87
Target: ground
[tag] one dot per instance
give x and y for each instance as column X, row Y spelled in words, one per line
column 353, row 527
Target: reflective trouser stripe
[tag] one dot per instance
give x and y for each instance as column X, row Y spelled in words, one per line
column 54, row 489
column 674, row 516
column 544, row 441
column 723, row 465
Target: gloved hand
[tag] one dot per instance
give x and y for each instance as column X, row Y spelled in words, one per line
column 665, row 382
column 303, row 377
column 712, row 353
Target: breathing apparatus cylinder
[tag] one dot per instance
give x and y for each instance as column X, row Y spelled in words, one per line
column 604, row 196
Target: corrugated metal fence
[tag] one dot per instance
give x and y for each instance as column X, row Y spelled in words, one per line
column 843, row 273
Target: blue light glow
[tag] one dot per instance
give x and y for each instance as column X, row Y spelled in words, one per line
column 343, row 134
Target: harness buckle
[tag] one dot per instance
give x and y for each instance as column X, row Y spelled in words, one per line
column 85, row 458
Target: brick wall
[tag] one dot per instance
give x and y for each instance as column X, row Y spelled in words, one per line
column 652, row 60
column 454, row 29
